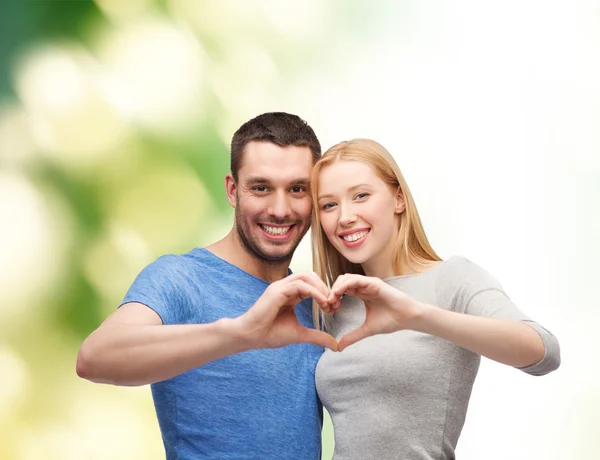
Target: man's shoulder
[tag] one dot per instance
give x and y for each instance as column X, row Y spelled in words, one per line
column 175, row 268
column 195, row 257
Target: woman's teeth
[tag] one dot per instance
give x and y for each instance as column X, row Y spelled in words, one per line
column 355, row 236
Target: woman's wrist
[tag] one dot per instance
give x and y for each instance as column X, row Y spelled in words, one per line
column 421, row 317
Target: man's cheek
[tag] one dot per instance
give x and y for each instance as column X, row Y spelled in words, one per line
column 306, row 209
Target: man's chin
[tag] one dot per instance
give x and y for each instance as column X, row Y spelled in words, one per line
column 276, row 256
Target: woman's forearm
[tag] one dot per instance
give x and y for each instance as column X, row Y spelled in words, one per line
column 509, row 342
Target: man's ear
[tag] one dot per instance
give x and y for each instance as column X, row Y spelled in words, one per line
column 400, row 203
column 231, row 189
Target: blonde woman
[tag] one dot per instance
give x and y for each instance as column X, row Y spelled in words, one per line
column 411, row 327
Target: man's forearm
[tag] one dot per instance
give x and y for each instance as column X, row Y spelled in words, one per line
column 509, row 342
column 132, row 355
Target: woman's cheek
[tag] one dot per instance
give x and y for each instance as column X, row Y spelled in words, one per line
column 329, row 224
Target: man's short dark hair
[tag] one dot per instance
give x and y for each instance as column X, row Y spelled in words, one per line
column 280, row 128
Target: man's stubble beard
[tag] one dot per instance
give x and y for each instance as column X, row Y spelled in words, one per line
column 254, row 248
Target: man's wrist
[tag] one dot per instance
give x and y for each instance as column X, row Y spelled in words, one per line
column 237, row 332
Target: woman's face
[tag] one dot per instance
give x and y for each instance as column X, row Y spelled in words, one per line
column 358, row 213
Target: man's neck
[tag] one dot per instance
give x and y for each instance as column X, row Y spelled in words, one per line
column 233, row 251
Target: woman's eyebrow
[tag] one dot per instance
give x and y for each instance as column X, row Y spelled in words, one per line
column 350, row 189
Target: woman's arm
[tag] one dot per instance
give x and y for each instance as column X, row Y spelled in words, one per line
column 486, row 323
column 514, row 343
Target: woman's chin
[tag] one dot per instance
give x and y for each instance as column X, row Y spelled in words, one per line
column 350, row 256
column 353, row 259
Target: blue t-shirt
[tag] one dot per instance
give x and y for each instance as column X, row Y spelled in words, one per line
column 260, row 404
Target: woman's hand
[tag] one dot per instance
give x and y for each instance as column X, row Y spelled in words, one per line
column 387, row 308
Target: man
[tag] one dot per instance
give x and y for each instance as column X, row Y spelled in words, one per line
column 210, row 329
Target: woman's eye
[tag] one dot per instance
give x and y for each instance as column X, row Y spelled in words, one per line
column 362, row 196
column 327, row 206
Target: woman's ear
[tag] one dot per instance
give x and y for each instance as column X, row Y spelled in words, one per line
column 400, row 203
column 231, row 189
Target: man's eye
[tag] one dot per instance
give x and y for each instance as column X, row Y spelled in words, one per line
column 298, row 189
column 259, row 188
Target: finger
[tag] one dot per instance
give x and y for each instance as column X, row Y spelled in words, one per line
column 304, row 290
column 354, row 336
column 338, row 282
column 356, row 286
column 318, row 283
column 340, row 286
column 314, row 280
column 328, row 309
column 316, row 337
column 337, row 303
column 332, row 305
column 344, row 287
column 333, row 299
column 343, row 282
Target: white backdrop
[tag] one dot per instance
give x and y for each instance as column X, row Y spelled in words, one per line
column 492, row 111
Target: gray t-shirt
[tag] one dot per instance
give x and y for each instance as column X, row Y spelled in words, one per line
column 405, row 395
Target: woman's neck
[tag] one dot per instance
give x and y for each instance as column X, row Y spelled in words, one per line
column 385, row 269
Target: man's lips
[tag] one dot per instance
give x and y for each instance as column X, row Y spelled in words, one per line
column 277, row 232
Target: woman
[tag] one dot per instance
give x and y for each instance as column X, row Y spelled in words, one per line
column 417, row 325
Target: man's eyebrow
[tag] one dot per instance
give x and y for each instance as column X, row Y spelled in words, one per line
column 301, row 181
column 257, row 180
column 351, row 189
column 264, row 180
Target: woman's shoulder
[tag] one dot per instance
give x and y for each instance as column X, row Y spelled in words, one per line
column 461, row 277
column 460, row 266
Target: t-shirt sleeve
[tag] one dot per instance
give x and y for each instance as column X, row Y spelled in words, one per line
column 474, row 291
column 158, row 286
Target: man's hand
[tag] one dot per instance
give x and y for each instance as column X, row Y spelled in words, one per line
column 271, row 322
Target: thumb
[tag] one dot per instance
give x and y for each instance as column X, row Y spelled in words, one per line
column 354, row 336
column 317, row 337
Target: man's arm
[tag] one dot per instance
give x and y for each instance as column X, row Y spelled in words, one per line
column 132, row 347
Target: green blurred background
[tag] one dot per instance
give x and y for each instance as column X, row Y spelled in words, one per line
column 115, row 119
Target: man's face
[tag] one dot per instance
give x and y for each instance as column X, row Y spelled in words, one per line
column 271, row 199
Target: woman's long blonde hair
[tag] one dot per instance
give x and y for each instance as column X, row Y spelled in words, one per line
column 412, row 248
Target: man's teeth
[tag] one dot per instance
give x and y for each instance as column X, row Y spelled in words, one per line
column 276, row 230
column 355, row 236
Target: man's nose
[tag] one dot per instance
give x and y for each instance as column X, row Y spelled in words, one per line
column 280, row 206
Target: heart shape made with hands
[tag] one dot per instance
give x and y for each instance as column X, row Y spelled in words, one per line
column 387, row 309
column 272, row 321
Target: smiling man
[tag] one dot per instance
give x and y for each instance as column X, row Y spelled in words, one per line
column 268, row 187
column 224, row 333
